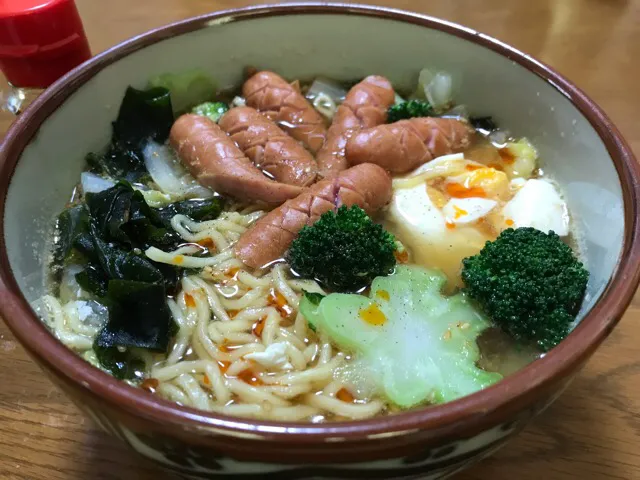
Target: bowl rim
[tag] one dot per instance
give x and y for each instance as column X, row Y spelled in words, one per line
column 482, row 409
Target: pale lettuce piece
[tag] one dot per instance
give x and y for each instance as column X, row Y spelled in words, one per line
column 525, row 159
column 158, row 199
column 187, row 89
column 170, row 175
column 436, row 87
column 424, row 351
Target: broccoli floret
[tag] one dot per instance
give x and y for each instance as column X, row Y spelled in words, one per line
column 415, row 344
column 529, row 283
column 410, row 109
column 213, row 110
column 344, row 250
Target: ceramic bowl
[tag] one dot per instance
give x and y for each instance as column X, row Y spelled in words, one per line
column 42, row 156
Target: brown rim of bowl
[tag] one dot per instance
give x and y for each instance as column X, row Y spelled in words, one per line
column 480, row 408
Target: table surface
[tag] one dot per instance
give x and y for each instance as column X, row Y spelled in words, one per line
column 592, row 431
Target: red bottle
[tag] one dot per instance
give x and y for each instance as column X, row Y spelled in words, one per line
column 40, row 41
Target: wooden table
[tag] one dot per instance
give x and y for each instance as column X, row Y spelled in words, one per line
column 591, row 432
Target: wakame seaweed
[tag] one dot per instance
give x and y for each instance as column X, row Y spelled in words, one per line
column 107, row 235
column 139, row 317
column 123, row 365
column 71, row 222
column 146, row 303
column 144, row 115
column 114, row 262
column 199, row 210
column 122, row 215
column 93, row 280
column 117, row 224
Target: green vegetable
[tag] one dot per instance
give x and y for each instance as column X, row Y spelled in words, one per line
column 187, row 88
column 143, row 115
column 213, row 110
column 529, row 283
column 156, row 198
column 107, row 261
column 419, row 345
column 198, row 210
column 113, row 224
column 116, row 343
column 107, row 235
column 124, row 365
column 410, row 109
column 119, row 161
column 524, row 159
column 313, row 297
column 344, row 250
column 121, row 214
column 143, row 302
column 71, row 222
column 93, row 280
column 134, row 289
column 120, row 264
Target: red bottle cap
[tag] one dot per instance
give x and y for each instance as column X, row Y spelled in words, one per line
column 40, row 40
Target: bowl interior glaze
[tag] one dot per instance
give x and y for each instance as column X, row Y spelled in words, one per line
column 346, row 44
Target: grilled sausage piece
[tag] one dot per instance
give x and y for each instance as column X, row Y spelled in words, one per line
column 366, row 185
column 270, row 149
column 216, row 162
column 365, row 106
column 283, row 103
column 405, row 145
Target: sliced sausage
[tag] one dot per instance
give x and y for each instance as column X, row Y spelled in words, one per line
column 270, row 149
column 402, row 146
column 216, row 162
column 366, row 185
column 284, row 104
column 365, row 106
